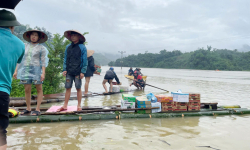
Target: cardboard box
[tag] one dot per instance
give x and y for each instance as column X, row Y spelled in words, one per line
column 180, row 106
column 142, row 101
column 157, row 104
column 124, row 88
column 143, row 111
column 194, row 100
column 194, row 106
column 168, row 106
column 183, row 97
column 180, row 97
column 194, row 95
column 128, row 97
column 116, row 88
column 143, row 106
column 163, row 109
column 164, row 98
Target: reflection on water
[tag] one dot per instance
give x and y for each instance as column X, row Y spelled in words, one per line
column 222, row 132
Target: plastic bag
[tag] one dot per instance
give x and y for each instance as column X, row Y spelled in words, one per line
column 151, row 97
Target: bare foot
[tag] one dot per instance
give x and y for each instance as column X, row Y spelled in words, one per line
column 61, row 109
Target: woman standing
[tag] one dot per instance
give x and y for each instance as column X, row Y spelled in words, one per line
column 90, row 70
column 32, row 68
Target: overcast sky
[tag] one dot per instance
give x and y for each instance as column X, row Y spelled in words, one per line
column 136, row 26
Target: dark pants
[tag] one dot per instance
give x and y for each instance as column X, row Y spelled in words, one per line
column 4, row 116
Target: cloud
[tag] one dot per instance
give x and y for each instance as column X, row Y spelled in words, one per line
column 144, row 25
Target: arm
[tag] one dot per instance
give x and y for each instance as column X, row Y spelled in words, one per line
column 65, row 59
column 18, row 62
column 44, row 57
column 117, row 79
column 84, row 60
column 15, row 73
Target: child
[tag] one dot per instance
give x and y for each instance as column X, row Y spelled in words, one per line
column 32, row 68
column 74, row 66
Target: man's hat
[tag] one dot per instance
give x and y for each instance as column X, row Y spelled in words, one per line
column 90, row 53
column 67, row 34
column 8, row 19
column 43, row 37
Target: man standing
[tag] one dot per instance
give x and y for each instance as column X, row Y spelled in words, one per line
column 11, row 53
column 74, row 66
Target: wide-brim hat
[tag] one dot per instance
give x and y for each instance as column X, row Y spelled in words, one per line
column 8, row 19
column 90, row 53
column 67, row 34
column 43, row 37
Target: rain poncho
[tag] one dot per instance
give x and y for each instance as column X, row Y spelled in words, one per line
column 35, row 57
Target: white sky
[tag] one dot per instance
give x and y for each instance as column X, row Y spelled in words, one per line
column 136, row 26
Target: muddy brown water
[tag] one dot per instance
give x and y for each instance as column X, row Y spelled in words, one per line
column 187, row 133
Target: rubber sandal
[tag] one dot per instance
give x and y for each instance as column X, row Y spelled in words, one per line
column 25, row 112
column 36, row 113
column 60, row 109
column 111, row 92
column 104, row 93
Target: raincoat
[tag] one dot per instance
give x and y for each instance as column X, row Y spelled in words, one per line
column 35, row 57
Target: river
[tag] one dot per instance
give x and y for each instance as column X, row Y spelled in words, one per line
column 186, row 133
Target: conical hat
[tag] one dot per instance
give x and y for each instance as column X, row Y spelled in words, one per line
column 43, row 37
column 90, row 53
column 67, row 34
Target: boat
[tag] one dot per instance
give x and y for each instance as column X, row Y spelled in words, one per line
column 115, row 112
column 132, row 77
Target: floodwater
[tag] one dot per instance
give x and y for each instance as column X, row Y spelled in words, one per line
column 186, row 133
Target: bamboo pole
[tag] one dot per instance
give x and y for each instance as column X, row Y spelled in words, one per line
column 84, row 117
column 151, row 86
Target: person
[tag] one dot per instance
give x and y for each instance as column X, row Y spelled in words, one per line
column 139, row 71
column 90, row 70
column 11, row 52
column 130, row 71
column 109, row 76
column 32, row 68
column 74, row 65
column 138, row 81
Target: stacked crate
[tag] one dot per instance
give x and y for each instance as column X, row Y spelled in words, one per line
column 128, row 102
column 194, row 102
column 181, row 100
column 143, row 102
column 167, row 103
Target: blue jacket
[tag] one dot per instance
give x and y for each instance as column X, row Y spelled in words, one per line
column 84, row 60
column 11, row 53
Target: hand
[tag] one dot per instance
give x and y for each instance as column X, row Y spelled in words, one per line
column 64, row 73
column 15, row 75
column 130, row 84
column 81, row 75
column 42, row 77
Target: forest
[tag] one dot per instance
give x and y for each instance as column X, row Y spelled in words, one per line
column 203, row 58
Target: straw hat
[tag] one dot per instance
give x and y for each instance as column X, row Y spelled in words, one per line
column 41, row 39
column 67, row 34
column 90, row 53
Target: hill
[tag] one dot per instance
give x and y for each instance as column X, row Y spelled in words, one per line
column 205, row 59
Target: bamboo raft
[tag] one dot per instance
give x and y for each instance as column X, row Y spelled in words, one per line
column 115, row 112
column 51, row 98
